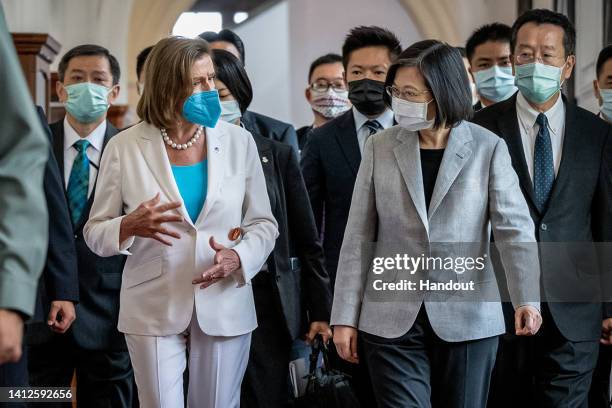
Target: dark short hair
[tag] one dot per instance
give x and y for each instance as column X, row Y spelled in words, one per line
column 370, row 36
column 604, row 56
column 228, row 36
column 544, row 16
column 87, row 50
column 140, row 60
column 461, row 51
column 442, row 67
column 325, row 59
column 230, row 71
column 495, row 32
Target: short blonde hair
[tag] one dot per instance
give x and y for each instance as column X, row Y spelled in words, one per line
column 168, row 79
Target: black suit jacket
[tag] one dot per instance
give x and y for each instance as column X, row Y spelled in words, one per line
column 59, row 280
column 99, row 278
column 270, row 128
column 304, row 288
column 330, row 161
column 302, row 135
column 580, row 206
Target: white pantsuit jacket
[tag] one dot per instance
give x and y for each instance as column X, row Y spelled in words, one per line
column 157, row 296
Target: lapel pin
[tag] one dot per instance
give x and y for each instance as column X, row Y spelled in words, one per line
column 216, row 149
column 234, row 234
column 264, row 159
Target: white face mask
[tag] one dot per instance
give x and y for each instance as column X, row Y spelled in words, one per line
column 330, row 104
column 411, row 115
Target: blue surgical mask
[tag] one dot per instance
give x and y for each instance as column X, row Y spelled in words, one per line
column 496, row 83
column 606, row 107
column 203, row 108
column 230, row 111
column 87, row 102
column 538, row 82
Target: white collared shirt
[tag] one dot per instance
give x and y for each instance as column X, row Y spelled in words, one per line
column 529, row 129
column 94, row 151
column 385, row 119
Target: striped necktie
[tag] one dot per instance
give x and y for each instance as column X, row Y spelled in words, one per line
column 373, row 126
column 78, row 183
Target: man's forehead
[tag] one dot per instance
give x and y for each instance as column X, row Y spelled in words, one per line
column 89, row 63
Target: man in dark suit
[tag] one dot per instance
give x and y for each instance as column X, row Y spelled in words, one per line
column 599, row 396
column 88, row 84
column 488, row 53
column 561, row 154
column 332, row 154
column 264, row 125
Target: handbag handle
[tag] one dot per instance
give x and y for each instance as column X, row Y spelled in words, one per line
column 318, row 347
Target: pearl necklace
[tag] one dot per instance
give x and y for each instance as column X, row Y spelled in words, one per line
column 179, row 146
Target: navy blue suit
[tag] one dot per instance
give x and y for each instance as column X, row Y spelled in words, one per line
column 93, row 346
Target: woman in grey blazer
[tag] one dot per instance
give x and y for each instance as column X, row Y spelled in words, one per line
column 434, row 179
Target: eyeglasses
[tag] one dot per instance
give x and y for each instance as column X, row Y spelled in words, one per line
column 527, row 57
column 324, row 86
column 405, row 94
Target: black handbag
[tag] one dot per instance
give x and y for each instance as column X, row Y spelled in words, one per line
column 327, row 388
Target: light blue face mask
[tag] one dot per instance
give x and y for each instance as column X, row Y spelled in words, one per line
column 87, row 102
column 230, row 111
column 203, row 108
column 538, row 82
column 606, row 107
column 496, row 83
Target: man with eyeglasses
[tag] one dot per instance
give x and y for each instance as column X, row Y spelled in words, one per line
column 561, row 154
column 326, row 93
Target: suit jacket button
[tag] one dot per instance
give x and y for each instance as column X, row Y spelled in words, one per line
column 544, row 227
column 76, row 236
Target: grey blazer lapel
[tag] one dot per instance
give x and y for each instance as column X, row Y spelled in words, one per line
column 408, row 158
column 455, row 157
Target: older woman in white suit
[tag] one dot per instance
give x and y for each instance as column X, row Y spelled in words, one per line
column 184, row 195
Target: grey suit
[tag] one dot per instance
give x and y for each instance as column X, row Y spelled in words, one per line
column 476, row 191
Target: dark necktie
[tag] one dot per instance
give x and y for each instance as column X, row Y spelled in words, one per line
column 543, row 167
column 373, row 126
column 78, row 183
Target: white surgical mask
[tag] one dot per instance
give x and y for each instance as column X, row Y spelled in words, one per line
column 330, row 104
column 411, row 115
column 606, row 107
column 230, row 111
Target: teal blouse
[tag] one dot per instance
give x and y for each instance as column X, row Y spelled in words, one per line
column 192, row 182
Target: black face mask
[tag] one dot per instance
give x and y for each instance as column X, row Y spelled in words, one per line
column 367, row 96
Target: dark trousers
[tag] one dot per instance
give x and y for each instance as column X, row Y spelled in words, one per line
column 420, row 370
column 104, row 378
column 265, row 383
column 599, row 395
column 15, row 375
column 543, row 371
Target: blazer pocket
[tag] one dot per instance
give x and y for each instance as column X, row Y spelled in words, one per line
column 143, row 273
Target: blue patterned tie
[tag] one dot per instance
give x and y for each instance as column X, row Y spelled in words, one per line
column 373, row 126
column 78, row 183
column 543, row 167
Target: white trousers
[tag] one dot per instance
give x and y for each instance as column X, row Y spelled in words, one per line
column 216, row 368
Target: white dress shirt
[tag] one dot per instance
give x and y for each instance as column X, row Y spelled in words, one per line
column 529, row 129
column 94, row 151
column 385, row 119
